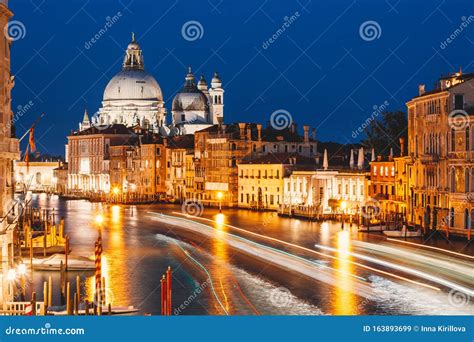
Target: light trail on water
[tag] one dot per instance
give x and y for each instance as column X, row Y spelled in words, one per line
column 208, row 275
column 301, row 248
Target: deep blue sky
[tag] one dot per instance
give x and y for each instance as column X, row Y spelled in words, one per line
column 319, row 69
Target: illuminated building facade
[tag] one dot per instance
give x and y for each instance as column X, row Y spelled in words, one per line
column 440, row 130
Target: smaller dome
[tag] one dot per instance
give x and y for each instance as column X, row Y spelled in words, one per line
column 216, row 81
column 190, row 101
column 190, row 98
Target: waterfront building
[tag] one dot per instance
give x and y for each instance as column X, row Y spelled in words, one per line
column 382, row 184
column 440, row 131
column 190, row 175
column 36, row 176
column 89, row 157
column 323, row 191
column 220, row 148
column 178, row 147
column 261, row 179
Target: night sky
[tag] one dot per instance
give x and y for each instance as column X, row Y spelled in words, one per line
column 320, row 69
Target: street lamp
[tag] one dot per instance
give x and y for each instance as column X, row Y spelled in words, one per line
column 220, row 195
column 343, row 207
column 99, row 219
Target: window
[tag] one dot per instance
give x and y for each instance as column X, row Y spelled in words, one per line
column 393, row 171
column 453, row 140
column 466, row 180
column 158, row 151
column 458, row 101
column 468, row 144
column 375, row 170
column 183, row 117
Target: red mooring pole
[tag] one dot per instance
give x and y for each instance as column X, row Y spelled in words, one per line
column 98, row 270
column 169, row 290
column 163, row 295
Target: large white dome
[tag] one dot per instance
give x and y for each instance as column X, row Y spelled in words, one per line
column 133, row 84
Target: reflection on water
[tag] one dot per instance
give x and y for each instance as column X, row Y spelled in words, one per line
column 134, row 259
column 344, row 297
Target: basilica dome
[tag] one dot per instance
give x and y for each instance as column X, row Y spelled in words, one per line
column 133, row 84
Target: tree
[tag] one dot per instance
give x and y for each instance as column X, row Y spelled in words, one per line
column 385, row 133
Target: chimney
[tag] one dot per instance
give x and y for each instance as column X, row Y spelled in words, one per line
column 402, row 146
column 259, row 130
column 306, row 133
column 421, row 89
column 313, row 135
column 242, row 130
column 379, row 158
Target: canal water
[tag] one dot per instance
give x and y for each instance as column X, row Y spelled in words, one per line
column 210, row 277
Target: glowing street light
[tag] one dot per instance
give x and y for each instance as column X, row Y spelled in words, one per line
column 220, row 195
column 116, row 191
column 99, row 219
column 343, row 206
